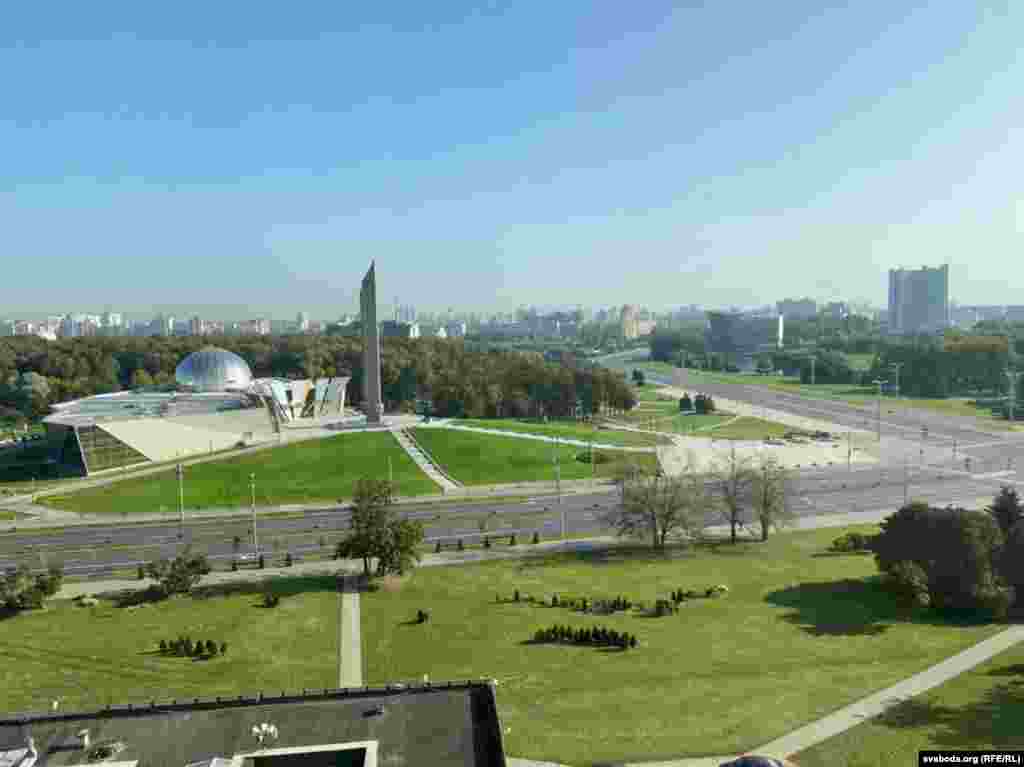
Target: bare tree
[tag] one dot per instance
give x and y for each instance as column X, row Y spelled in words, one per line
column 733, row 478
column 662, row 507
column 771, row 496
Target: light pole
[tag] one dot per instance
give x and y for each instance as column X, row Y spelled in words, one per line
column 252, row 488
column 897, row 365
column 181, row 501
column 879, row 383
column 558, row 482
column 906, row 479
column 849, row 451
column 1013, row 375
column 924, row 437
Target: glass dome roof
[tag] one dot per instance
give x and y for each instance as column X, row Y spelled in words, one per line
column 212, row 369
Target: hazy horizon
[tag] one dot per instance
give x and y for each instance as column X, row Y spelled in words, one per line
column 239, row 164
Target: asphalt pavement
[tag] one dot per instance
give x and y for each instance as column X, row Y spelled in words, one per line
column 95, row 551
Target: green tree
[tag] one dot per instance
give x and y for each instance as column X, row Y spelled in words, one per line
column 179, row 575
column 662, row 507
column 1006, row 509
column 376, row 533
column 771, row 495
column 733, row 476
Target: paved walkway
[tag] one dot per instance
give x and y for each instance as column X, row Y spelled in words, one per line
column 424, row 461
column 350, row 649
column 544, row 438
column 783, row 747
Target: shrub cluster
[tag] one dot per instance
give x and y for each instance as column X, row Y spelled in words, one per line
column 422, row 616
column 950, row 558
column 270, row 599
column 852, row 542
column 185, row 647
column 679, row 595
column 20, row 590
column 536, row 537
column 598, row 636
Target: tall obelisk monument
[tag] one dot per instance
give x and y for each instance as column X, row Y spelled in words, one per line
column 371, row 347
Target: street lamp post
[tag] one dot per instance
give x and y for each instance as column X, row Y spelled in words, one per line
column 181, row 501
column 1013, row 375
column 252, row 489
column 897, row 365
column 879, row 383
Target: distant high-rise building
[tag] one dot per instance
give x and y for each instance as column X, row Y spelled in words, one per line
column 918, row 300
column 455, row 329
column 197, row 326
column 837, row 310
column 630, row 320
column 303, row 322
column 798, row 308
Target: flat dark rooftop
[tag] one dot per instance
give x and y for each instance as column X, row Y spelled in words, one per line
column 451, row 724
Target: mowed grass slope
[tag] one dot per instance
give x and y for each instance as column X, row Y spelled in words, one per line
column 799, row 635
column 981, row 709
column 483, row 459
column 314, row 471
column 88, row 657
column 565, row 430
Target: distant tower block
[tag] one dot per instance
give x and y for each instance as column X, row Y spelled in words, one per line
column 371, row 347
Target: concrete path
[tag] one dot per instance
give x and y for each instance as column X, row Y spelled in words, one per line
column 350, row 649
column 801, row 738
column 544, row 438
column 871, row 706
column 424, row 461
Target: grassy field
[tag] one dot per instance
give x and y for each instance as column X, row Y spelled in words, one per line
column 7, row 516
column 567, row 430
column 980, row 709
column 304, row 472
column 800, row 634
column 656, row 410
column 852, row 394
column 483, row 459
column 89, row 657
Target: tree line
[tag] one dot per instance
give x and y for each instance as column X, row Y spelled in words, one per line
column 35, row 373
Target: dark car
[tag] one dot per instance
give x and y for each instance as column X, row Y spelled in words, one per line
column 757, row 761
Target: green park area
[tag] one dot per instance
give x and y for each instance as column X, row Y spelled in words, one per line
column 799, row 634
column 980, row 709
column 7, row 516
column 313, row 471
column 865, row 396
column 474, row 458
column 658, row 411
column 88, row 657
column 575, row 430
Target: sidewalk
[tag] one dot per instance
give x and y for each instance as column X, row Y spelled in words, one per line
column 46, row 517
column 350, row 648
column 802, row 738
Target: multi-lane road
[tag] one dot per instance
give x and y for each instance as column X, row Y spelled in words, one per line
column 96, row 550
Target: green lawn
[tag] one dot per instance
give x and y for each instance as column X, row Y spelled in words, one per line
column 304, row 472
column 865, row 396
column 746, row 428
column 483, row 459
column 568, row 430
column 7, row 516
column 980, row 709
column 89, row 657
column 800, row 634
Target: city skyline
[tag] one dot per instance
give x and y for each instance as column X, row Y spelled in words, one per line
column 662, row 155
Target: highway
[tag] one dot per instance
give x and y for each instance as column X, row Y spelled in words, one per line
column 901, row 427
column 940, row 477
column 97, row 550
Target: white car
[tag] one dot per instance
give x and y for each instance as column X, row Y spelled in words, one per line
column 247, row 556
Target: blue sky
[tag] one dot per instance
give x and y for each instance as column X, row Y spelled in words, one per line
column 213, row 156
